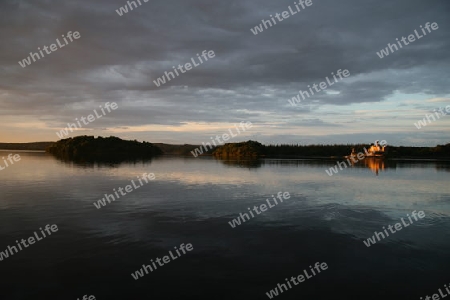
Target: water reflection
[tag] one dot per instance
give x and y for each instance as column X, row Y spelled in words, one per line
column 376, row 164
column 113, row 163
column 240, row 163
column 193, row 199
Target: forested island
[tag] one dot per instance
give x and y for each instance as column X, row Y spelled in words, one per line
column 108, row 149
column 249, row 149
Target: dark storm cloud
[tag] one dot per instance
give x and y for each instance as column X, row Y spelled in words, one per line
column 251, row 77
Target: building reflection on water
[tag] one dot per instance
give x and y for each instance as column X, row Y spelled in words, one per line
column 374, row 164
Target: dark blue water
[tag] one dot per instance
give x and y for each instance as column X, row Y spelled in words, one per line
column 192, row 200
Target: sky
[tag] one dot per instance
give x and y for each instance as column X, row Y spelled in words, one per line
column 250, row 78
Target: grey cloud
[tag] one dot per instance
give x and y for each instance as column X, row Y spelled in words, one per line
column 251, row 77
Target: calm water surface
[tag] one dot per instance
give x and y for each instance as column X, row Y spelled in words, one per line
column 192, row 200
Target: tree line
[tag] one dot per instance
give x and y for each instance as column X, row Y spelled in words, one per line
column 256, row 149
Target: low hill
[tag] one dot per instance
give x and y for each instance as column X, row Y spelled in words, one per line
column 249, row 149
column 25, row 146
column 110, row 149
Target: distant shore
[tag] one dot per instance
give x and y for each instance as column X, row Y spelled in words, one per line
column 234, row 150
column 37, row 146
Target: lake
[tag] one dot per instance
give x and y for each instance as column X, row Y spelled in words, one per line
column 193, row 200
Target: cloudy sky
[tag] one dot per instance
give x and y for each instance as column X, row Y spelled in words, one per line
column 251, row 77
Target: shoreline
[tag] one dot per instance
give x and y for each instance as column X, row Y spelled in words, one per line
column 281, row 157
